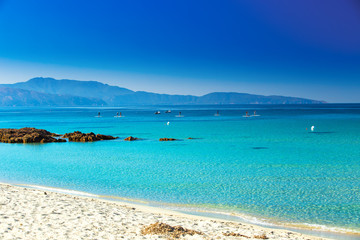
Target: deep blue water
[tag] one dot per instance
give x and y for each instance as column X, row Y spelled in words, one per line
column 271, row 166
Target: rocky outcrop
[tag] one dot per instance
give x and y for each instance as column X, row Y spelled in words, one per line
column 86, row 137
column 131, row 138
column 167, row 139
column 28, row 135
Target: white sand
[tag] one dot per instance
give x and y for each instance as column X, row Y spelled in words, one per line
column 27, row 213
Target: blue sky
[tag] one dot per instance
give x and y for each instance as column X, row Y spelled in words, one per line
column 304, row 48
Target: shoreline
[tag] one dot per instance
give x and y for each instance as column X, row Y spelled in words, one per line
column 314, row 230
column 37, row 201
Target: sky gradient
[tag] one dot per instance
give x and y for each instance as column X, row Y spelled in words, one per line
column 302, row 48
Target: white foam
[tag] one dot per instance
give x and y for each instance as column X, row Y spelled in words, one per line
column 305, row 228
column 60, row 190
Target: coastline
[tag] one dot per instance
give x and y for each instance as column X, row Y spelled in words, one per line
column 190, row 210
column 28, row 212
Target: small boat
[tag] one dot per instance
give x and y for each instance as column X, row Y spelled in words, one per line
column 255, row 115
column 118, row 115
column 168, row 111
column 179, row 115
column 246, row 115
column 157, row 112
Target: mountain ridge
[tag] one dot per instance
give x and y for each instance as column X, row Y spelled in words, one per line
column 93, row 93
column 21, row 97
column 78, row 88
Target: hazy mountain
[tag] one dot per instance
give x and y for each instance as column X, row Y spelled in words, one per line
column 21, row 97
column 88, row 89
column 244, row 98
column 96, row 93
column 147, row 98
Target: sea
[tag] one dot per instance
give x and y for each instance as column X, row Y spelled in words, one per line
column 287, row 166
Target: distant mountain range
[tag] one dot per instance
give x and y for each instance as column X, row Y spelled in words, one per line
column 52, row 92
column 21, row 97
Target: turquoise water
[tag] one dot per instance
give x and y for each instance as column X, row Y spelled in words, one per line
column 271, row 167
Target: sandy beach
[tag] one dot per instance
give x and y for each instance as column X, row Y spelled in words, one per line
column 27, row 213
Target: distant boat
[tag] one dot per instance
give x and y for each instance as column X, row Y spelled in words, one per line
column 118, row 115
column 168, row 111
column 255, row 115
column 246, row 114
column 179, row 115
column 157, row 112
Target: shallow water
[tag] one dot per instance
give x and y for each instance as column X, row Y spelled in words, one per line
column 271, row 167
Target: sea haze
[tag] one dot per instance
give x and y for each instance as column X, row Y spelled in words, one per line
column 51, row 92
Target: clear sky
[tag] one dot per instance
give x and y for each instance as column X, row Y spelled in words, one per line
column 303, row 48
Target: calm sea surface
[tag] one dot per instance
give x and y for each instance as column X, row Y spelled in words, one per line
column 270, row 167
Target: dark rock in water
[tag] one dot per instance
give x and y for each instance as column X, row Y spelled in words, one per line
column 320, row 133
column 167, row 139
column 86, row 137
column 131, row 138
column 55, row 135
column 258, row 148
column 105, row 137
column 27, row 135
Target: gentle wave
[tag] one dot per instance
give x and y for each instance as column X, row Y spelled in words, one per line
column 305, row 228
column 200, row 210
column 59, row 190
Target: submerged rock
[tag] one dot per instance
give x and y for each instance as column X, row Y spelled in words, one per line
column 167, row 139
column 28, row 135
column 131, row 138
column 86, row 137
